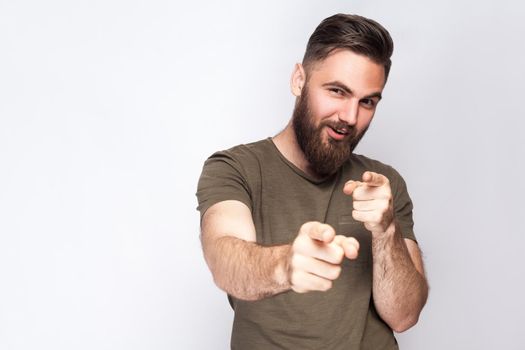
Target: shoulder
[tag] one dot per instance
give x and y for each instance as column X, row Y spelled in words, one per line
column 232, row 174
column 245, row 159
column 244, row 153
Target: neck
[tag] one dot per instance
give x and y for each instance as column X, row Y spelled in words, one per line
column 286, row 143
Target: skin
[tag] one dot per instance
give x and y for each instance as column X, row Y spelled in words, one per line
column 310, row 263
column 400, row 289
column 346, row 87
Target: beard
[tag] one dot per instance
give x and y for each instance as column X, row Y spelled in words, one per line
column 324, row 158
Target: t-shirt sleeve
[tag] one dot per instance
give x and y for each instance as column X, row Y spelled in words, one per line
column 222, row 178
column 402, row 205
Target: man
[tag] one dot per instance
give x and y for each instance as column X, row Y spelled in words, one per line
column 314, row 244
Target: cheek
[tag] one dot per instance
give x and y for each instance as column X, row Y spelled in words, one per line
column 323, row 108
column 364, row 120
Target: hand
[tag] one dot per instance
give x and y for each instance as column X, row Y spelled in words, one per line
column 316, row 255
column 372, row 201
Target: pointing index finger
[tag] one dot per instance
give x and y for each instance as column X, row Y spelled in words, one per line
column 374, row 179
column 350, row 186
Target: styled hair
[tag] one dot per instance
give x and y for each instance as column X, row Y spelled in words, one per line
column 351, row 32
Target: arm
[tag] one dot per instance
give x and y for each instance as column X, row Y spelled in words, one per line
column 239, row 266
column 249, row 271
column 399, row 287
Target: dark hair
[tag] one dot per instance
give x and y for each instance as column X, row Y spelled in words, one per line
column 352, row 32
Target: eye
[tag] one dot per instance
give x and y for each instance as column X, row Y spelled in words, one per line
column 337, row 91
column 368, row 102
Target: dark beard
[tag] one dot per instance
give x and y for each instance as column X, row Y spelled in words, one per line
column 324, row 158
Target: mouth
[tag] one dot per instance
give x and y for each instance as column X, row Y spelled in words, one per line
column 338, row 133
column 341, row 131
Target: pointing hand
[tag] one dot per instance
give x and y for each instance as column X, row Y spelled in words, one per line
column 316, row 255
column 372, row 199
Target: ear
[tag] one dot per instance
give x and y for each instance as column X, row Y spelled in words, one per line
column 298, row 80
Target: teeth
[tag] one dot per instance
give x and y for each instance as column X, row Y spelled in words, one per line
column 341, row 131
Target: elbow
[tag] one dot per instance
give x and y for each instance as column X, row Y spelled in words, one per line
column 220, row 282
column 409, row 319
column 217, row 275
column 403, row 320
column 404, row 324
column 237, row 292
column 223, row 282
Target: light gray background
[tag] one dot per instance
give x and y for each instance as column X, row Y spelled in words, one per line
column 109, row 108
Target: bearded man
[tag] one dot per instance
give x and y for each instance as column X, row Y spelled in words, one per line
column 314, row 244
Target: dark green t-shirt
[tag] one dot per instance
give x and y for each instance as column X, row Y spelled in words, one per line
column 281, row 198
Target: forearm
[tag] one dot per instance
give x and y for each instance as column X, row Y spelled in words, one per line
column 247, row 270
column 399, row 289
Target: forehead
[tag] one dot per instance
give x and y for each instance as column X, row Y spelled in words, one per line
column 354, row 70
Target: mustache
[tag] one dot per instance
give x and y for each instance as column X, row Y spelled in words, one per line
column 339, row 125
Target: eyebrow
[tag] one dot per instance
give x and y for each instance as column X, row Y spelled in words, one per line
column 349, row 91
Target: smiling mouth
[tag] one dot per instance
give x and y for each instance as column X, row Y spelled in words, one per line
column 340, row 131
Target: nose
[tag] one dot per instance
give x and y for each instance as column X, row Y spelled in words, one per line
column 350, row 111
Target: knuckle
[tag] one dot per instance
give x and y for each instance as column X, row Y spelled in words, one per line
column 338, row 255
column 298, row 240
column 326, row 285
column 307, row 227
column 338, row 239
column 304, row 228
column 335, row 273
column 300, row 244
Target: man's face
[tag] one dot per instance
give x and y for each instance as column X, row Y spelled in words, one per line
column 335, row 108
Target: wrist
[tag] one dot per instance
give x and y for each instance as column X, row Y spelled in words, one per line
column 282, row 269
column 390, row 232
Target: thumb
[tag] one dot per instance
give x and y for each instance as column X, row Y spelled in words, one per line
column 321, row 232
